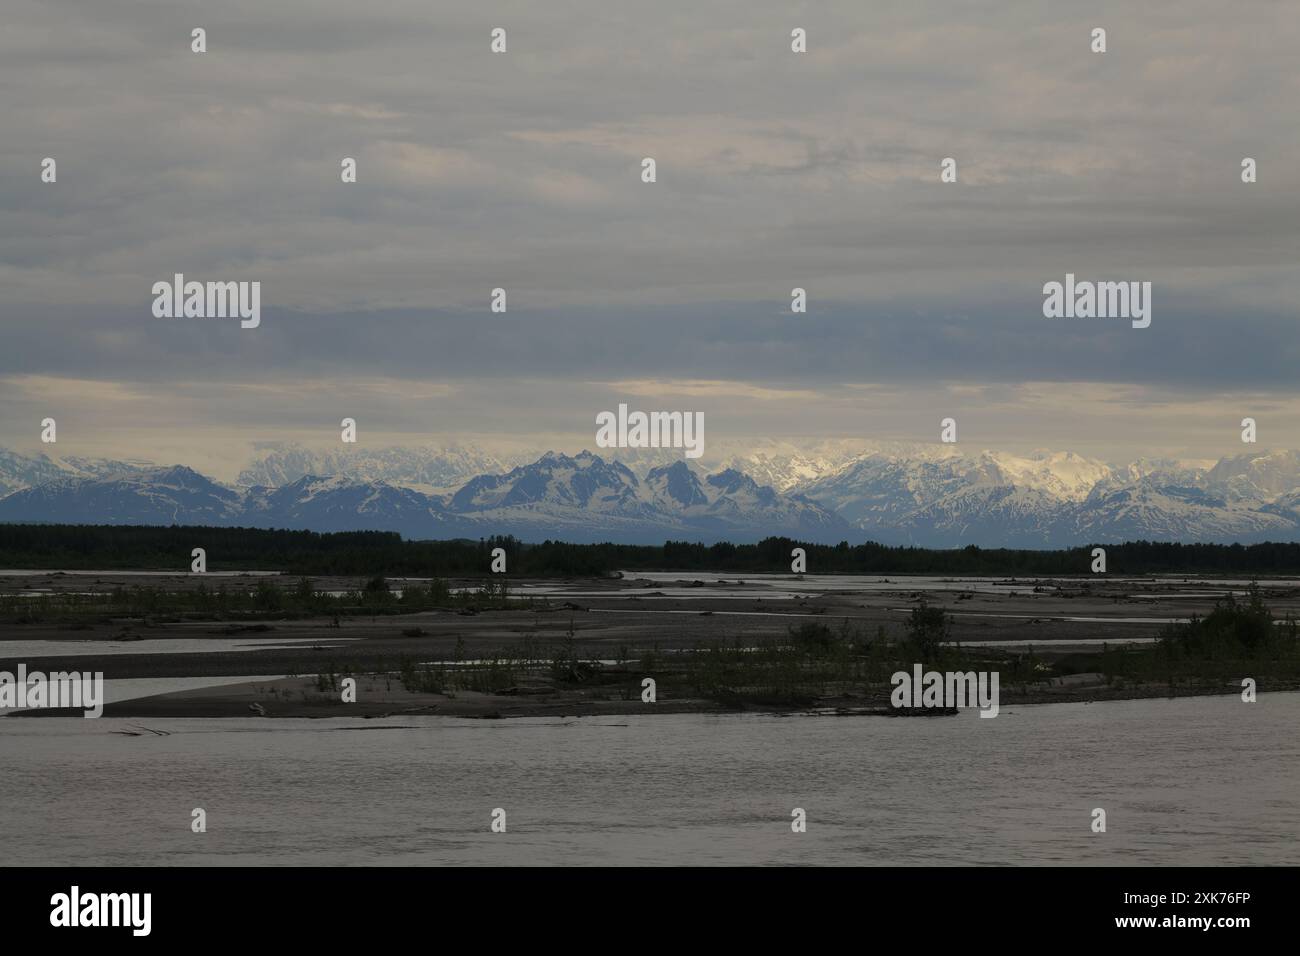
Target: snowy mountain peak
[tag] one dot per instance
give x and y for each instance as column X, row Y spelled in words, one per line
column 933, row 497
column 425, row 468
column 678, row 484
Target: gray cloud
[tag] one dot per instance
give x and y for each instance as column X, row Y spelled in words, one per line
column 522, row 171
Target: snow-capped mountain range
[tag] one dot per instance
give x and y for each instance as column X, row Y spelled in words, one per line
column 780, row 465
column 424, row 468
column 1059, row 499
column 930, row 495
column 581, row 499
column 25, row 471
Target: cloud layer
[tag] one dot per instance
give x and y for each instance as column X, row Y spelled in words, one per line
column 775, row 170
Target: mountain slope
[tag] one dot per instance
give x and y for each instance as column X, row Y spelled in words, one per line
column 19, row 471
column 424, row 468
column 933, row 497
column 947, row 499
column 581, row 498
column 160, row 496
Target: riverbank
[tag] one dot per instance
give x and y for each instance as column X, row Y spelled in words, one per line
column 382, row 696
column 567, row 647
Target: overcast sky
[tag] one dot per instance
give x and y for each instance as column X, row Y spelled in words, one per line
column 522, row 170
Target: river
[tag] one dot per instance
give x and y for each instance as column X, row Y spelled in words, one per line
column 1192, row 781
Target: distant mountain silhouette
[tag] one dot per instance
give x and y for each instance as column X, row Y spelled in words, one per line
column 581, row 499
column 932, row 497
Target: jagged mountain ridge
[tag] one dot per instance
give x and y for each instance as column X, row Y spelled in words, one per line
column 932, row 496
column 18, row 471
column 424, row 468
column 1061, row 499
column 581, row 498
